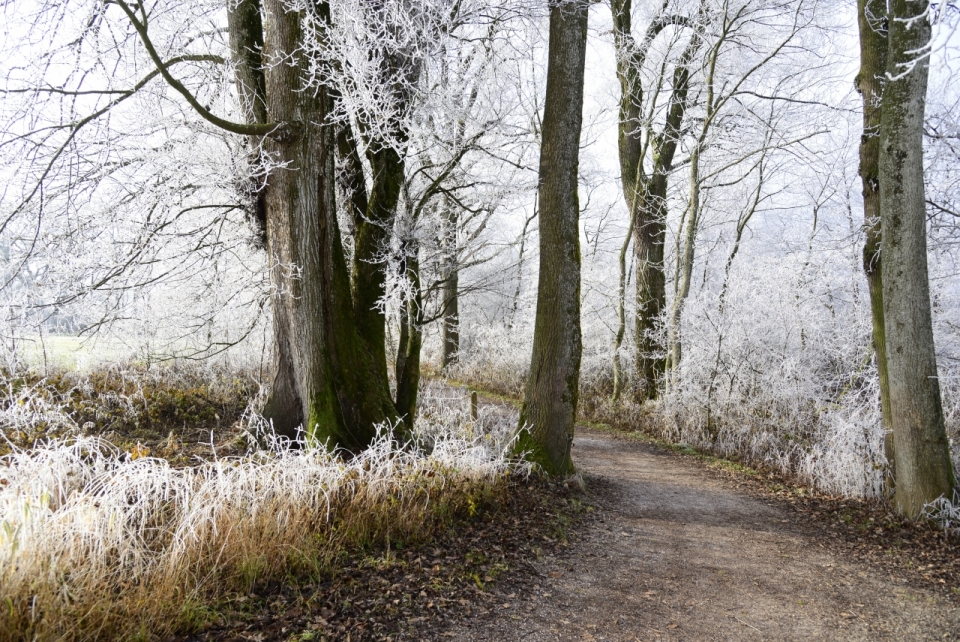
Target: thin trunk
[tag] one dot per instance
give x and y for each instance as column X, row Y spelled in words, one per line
column 873, row 65
column 520, row 255
column 686, row 267
column 621, row 315
column 923, row 466
column 411, row 340
column 549, row 410
column 742, row 222
column 450, row 324
column 451, row 317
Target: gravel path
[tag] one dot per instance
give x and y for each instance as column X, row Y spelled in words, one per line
column 678, row 553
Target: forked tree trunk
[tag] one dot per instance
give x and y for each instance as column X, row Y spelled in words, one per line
column 550, row 400
column 646, row 193
column 924, row 471
column 326, row 377
column 871, row 16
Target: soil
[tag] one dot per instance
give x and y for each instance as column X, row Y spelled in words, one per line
column 676, row 551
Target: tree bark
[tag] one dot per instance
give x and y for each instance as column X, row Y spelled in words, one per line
column 871, row 17
column 373, row 232
column 618, row 377
column 326, row 374
column 645, row 194
column 411, row 339
column 550, row 401
column 245, row 27
column 685, row 275
column 450, row 328
column 924, row 471
column 350, row 179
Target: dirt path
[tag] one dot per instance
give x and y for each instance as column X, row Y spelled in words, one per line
column 680, row 554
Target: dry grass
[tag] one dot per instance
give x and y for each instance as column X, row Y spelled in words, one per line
column 127, row 404
column 96, row 542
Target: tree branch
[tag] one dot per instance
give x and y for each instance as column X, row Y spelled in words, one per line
column 278, row 131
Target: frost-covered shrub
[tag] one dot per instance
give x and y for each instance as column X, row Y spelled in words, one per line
column 783, row 377
column 495, row 356
column 780, row 375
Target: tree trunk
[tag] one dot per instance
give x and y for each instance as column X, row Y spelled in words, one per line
column 245, row 28
column 550, row 401
column 618, row 376
column 450, row 288
column 649, row 232
column 373, row 232
column 350, row 180
column 326, row 375
column 411, row 340
column 451, row 316
column 923, row 466
column 685, row 275
column 871, row 16
column 646, row 194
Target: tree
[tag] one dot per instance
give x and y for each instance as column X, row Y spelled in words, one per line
column 327, row 374
column 292, row 83
column 733, row 22
column 871, row 20
column 924, row 470
column 645, row 191
column 549, row 410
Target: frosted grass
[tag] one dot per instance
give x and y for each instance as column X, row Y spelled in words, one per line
column 97, row 543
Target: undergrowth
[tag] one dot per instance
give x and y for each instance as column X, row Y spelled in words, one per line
column 127, row 404
column 97, row 542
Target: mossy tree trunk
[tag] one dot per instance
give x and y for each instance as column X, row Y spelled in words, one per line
column 872, row 17
column 328, row 377
column 550, row 400
column 924, row 471
column 372, row 237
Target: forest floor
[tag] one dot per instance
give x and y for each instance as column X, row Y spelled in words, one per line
column 661, row 543
column 676, row 550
